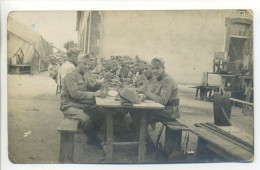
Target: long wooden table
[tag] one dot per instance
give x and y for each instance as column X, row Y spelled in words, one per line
column 110, row 104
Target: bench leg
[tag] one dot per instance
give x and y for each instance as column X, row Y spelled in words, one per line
column 66, row 147
column 203, row 94
column 197, row 92
column 173, row 140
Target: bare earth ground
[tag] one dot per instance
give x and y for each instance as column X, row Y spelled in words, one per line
column 34, row 116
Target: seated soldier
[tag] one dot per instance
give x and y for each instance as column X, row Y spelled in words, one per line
column 164, row 90
column 68, row 65
column 51, row 69
column 77, row 100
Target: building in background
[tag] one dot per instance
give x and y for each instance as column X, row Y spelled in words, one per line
column 89, row 27
column 186, row 40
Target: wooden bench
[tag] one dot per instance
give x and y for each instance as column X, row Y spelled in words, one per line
column 68, row 128
column 222, row 143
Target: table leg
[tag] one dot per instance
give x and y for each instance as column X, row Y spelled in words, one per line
column 142, row 137
column 109, row 132
column 197, row 92
column 203, row 94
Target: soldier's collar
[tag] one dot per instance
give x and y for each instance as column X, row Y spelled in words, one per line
column 80, row 72
column 160, row 77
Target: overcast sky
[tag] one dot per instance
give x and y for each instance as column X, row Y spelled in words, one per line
column 55, row 27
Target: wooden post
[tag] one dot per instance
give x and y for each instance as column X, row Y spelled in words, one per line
column 66, row 147
column 39, row 64
column 142, row 137
column 109, row 131
column 203, row 94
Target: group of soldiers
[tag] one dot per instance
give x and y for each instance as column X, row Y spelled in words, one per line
column 83, row 78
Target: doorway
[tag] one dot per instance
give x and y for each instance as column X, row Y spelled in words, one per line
column 236, row 49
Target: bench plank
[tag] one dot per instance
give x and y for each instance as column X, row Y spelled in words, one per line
column 68, row 125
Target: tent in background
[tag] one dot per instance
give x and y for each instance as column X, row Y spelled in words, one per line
column 36, row 50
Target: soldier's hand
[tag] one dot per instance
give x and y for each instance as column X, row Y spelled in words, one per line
column 99, row 93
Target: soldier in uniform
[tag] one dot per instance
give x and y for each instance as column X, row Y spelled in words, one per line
column 160, row 87
column 77, row 100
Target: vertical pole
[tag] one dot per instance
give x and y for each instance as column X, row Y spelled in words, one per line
column 85, row 37
column 142, row 137
column 39, row 64
column 90, row 20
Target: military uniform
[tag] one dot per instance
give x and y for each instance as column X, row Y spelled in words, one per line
column 163, row 90
column 77, row 100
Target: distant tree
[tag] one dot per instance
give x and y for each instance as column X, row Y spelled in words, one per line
column 69, row 44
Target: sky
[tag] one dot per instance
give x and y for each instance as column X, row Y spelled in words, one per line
column 55, row 27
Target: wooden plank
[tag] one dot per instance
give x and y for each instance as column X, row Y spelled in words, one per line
column 234, row 150
column 239, row 133
column 241, row 101
column 221, row 103
column 228, row 122
column 142, row 137
column 226, row 136
column 220, row 152
column 66, row 147
column 68, row 125
column 176, row 125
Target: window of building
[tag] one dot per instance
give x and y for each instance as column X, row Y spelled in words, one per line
column 242, row 14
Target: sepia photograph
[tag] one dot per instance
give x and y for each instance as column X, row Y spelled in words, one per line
column 130, row 86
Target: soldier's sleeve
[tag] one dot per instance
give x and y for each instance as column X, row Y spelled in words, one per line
column 75, row 93
column 164, row 96
column 91, row 84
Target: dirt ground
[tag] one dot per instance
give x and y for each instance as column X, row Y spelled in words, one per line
column 34, row 116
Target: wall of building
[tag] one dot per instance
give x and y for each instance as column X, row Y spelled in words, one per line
column 89, row 32
column 94, row 46
column 186, row 40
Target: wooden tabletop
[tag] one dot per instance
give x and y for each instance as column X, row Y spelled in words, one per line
column 111, row 102
column 21, row 65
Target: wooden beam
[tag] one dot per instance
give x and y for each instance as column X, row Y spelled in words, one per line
column 241, row 101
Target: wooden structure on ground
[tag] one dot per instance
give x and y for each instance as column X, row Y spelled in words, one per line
column 235, row 64
column 222, row 143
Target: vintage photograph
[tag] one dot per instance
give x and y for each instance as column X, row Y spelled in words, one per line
column 130, row 86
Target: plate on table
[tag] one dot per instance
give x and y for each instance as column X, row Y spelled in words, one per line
column 112, row 93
